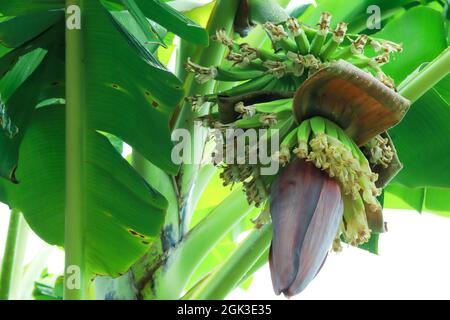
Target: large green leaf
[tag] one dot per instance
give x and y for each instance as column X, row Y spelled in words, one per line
column 130, row 24
column 21, row 71
column 422, row 32
column 3, row 194
column 17, row 31
column 435, row 200
column 130, row 94
column 47, row 81
column 20, row 7
column 46, row 39
column 123, row 212
column 146, row 27
column 422, row 138
column 163, row 14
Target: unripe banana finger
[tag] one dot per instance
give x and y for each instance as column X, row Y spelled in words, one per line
column 249, row 86
column 237, row 75
column 317, row 125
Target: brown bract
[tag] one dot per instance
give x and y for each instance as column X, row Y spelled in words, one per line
column 355, row 100
column 306, row 208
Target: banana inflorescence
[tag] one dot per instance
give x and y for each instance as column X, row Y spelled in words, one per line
column 266, row 80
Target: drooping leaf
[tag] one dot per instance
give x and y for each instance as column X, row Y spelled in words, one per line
column 151, row 35
column 174, row 21
column 422, row 32
column 201, row 14
column 21, row 71
column 434, row 200
column 47, row 81
column 21, row 7
column 131, row 95
column 422, row 138
column 18, row 30
column 130, row 24
column 123, row 212
column 187, row 5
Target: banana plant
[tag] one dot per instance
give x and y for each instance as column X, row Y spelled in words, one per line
column 354, row 106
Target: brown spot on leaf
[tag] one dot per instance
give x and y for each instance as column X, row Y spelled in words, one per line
column 134, row 233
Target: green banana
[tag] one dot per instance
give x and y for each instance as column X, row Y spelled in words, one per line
column 318, row 125
column 249, row 86
column 235, row 74
column 276, row 106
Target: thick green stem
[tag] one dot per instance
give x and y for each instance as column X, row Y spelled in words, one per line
column 164, row 184
column 75, row 273
column 19, row 267
column 262, row 260
column 236, row 267
column 359, row 25
column 9, row 255
column 185, row 258
column 418, row 84
column 262, row 11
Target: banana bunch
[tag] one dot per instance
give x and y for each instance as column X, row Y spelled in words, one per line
column 325, row 96
column 297, row 52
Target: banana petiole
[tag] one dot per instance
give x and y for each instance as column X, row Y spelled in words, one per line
column 303, row 133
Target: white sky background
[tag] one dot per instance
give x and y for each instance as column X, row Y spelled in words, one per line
column 414, row 263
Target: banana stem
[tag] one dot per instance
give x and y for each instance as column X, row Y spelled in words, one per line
column 222, row 17
column 75, row 142
column 236, row 267
column 9, row 255
column 435, row 71
column 19, row 268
